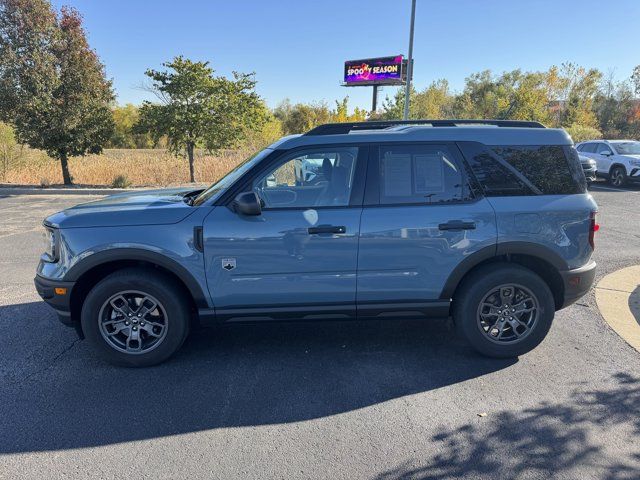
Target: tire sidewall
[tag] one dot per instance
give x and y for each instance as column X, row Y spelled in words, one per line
column 147, row 282
column 482, row 283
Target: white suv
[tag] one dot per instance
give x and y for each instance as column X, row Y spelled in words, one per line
column 618, row 160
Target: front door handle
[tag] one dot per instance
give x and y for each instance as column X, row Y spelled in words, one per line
column 326, row 229
column 457, row 225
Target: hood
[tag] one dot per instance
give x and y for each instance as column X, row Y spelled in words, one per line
column 146, row 207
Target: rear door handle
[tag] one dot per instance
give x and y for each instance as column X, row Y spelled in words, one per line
column 326, row 229
column 457, row 225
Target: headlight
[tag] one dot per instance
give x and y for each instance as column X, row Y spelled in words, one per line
column 635, row 162
column 50, row 244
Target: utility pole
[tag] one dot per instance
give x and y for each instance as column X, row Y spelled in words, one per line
column 409, row 61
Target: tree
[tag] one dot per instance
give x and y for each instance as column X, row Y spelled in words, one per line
column 124, row 136
column 341, row 113
column 52, row 84
column 635, row 78
column 9, row 149
column 301, row 117
column 199, row 109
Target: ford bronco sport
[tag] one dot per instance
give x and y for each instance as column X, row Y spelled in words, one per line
column 485, row 221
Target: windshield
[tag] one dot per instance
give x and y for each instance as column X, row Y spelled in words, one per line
column 229, row 179
column 628, row 148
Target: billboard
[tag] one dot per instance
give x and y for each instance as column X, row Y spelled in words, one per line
column 375, row 71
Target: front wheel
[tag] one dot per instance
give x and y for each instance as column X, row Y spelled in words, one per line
column 134, row 318
column 503, row 310
column 617, row 176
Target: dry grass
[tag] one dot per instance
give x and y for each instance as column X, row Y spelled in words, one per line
column 140, row 167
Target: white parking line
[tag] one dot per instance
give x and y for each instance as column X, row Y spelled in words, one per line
column 595, row 188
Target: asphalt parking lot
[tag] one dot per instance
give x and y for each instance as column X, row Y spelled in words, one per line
column 385, row 400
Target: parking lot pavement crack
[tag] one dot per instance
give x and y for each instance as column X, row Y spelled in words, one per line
column 42, row 370
column 614, row 289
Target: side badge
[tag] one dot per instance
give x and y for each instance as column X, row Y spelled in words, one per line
column 228, row 263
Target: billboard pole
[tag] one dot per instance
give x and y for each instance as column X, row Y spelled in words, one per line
column 374, row 102
column 410, row 61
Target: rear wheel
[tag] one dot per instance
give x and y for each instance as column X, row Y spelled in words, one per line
column 617, row 176
column 503, row 310
column 135, row 318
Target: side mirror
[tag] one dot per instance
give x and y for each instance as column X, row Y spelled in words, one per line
column 607, row 153
column 247, row 203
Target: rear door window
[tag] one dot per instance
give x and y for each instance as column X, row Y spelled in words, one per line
column 419, row 174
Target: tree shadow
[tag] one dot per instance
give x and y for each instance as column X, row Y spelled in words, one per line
column 233, row 376
column 540, row 442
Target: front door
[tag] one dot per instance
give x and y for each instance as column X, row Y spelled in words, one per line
column 419, row 222
column 299, row 257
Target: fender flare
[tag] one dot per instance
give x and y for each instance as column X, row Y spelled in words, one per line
column 138, row 254
column 618, row 164
column 504, row 248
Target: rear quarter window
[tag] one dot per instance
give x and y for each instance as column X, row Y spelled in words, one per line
column 508, row 170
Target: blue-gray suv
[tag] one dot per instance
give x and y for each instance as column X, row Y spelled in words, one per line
column 486, row 221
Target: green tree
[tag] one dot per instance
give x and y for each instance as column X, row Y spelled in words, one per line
column 434, row 102
column 9, row 149
column 393, row 108
column 52, row 84
column 124, row 119
column 301, row 117
column 635, row 79
column 575, row 91
column 514, row 95
column 199, row 109
column 341, row 113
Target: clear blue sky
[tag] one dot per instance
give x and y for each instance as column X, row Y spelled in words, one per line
column 297, row 47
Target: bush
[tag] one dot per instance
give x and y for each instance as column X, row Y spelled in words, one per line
column 121, row 181
column 580, row 133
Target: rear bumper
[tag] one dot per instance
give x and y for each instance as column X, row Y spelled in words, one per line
column 577, row 282
column 60, row 302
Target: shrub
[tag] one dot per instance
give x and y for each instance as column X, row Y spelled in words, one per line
column 121, row 181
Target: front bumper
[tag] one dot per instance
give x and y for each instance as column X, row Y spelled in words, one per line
column 590, row 174
column 634, row 175
column 50, row 292
column 577, row 282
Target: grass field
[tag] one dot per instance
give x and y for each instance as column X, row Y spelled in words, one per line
column 139, row 167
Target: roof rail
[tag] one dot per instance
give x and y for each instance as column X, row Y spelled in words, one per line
column 340, row 128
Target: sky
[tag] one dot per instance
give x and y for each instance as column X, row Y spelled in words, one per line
column 297, row 48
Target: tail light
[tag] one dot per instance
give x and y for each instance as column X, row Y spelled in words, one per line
column 593, row 228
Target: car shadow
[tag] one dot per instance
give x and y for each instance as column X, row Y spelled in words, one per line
column 634, row 304
column 230, row 376
column 551, row 440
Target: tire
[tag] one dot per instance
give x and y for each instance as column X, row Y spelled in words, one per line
column 161, row 329
column 477, row 329
column 618, row 176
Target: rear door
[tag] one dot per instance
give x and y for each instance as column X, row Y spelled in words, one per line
column 420, row 220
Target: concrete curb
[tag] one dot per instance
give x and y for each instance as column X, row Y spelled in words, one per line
column 64, row 191
column 618, row 298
